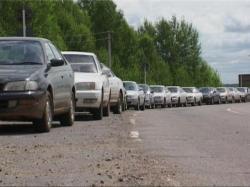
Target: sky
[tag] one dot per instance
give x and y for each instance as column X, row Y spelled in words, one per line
column 224, row 28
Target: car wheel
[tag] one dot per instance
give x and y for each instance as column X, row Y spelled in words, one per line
column 219, row 102
column 143, row 106
column 137, row 107
column 194, row 103
column 44, row 124
column 185, row 104
column 118, row 107
column 69, row 118
column 179, row 103
column 106, row 110
column 98, row 113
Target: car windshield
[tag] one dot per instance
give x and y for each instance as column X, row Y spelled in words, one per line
column 144, row 87
column 241, row 89
column 130, row 86
column 221, row 90
column 156, row 89
column 205, row 90
column 188, row 90
column 81, row 63
column 20, row 52
column 173, row 89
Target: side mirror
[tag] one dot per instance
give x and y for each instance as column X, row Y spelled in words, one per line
column 56, row 62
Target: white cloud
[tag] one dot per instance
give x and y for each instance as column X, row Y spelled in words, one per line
column 224, row 28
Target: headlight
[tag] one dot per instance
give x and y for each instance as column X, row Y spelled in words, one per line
column 21, row 86
column 85, row 86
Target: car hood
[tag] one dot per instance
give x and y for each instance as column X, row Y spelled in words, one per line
column 17, row 72
column 87, row 77
column 131, row 92
column 175, row 95
column 159, row 94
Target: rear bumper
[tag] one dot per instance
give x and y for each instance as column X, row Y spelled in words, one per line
column 22, row 106
column 88, row 99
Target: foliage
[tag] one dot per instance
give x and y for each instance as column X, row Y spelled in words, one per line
column 169, row 49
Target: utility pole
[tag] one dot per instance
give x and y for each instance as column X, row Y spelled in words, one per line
column 24, row 22
column 109, row 49
column 145, row 73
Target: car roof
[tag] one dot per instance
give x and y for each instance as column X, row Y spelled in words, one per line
column 25, row 39
column 157, row 86
column 130, row 81
column 77, row 53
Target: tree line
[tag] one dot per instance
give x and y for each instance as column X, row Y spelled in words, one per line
column 169, row 49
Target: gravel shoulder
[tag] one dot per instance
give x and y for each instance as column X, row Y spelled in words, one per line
column 89, row 153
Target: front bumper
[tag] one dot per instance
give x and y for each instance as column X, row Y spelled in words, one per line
column 132, row 101
column 190, row 100
column 207, row 99
column 88, row 99
column 158, row 100
column 174, row 100
column 22, row 106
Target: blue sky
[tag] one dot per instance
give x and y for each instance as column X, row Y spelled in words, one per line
column 224, row 28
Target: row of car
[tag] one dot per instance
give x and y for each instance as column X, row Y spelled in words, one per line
column 39, row 83
column 141, row 96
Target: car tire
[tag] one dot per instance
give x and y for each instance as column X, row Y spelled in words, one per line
column 45, row 124
column 137, row 107
column 119, row 105
column 185, row 104
column 69, row 118
column 98, row 113
column 143, row 106
column 106, row 110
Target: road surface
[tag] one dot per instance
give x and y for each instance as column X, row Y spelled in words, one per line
column 207, row 145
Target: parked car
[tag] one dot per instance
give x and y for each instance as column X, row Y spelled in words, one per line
column 160, row 96
column 194, row 96
column 149, row 99
column 210, row 95
column 244, row 93
column 118, row 92
column 92, row 85
column 36, row 83
column 225, row 95
column 135, row 95
column 235, row 93
column 178, row 95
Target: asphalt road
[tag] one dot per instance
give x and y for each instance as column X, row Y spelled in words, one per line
column 207, row 145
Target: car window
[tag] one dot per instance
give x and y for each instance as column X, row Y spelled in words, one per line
column 81, row 63
column 20, row 52
column 55, row 51
column 49, row 53
column 130, row 86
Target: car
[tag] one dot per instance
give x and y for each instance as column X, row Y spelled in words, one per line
column 36, row 83
column 235, row 93
column 135, row 95
column 244, row 93
column 118, row 92
column 160, row 96
column 92, row 85
column 194, row 96
column 210, row 95
column 149, row 99
column 178, row 96
column 225, row 95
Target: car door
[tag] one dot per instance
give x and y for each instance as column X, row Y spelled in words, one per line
column 114, row 86
column 53, row 76
column 66, row 75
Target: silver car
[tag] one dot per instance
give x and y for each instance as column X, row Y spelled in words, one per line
column 194, row 96
column 244, row 93
column 225, row 95
column 149, row 99
column 160, row 95
column 178, row 96
column 135, row 95
column 235, row 93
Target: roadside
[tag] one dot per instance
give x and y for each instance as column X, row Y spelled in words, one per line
column 89, row 153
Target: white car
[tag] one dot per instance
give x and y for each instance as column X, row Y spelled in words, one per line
column 118, row 92
column 194, row 96
column 161, row 97
column 149, row 99
column 244, row 93
column 92, row 85
column 235, row 93
column 178, row 95
column 135, row 95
